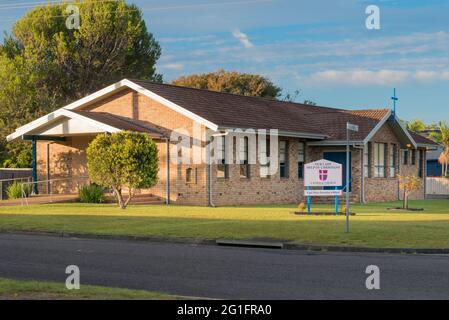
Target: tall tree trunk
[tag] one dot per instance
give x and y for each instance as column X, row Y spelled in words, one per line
column 404, row 204
column 406, row 201
column 118, row 194
column 130, row 195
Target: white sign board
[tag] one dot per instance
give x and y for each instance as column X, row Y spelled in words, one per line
column 322, row 193
column 352, row 127
column 323, row 173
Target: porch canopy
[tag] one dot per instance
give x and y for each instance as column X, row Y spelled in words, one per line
column 63, row 123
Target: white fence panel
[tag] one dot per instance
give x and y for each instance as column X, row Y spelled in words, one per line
column 437, row 186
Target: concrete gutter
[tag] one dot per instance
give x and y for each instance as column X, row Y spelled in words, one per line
column 237, row 243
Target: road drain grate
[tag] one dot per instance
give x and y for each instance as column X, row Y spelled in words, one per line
column 250, row 244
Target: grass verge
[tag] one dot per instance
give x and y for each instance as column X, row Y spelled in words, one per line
column 38, row 290
column 373, row 226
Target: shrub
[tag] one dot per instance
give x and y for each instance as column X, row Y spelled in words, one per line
column 91, row 194
column 15, row 189
column 123, row 160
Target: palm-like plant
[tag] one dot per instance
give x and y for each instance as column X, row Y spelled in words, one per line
column 416, row 125
column 444, row 161
column 442, row 136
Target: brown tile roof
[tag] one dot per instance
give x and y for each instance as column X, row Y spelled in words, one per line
column 124, row 123
column 334, row 123
column 235, row 111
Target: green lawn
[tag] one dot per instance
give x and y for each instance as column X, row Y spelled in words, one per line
column 373, row 226
column 14, row 289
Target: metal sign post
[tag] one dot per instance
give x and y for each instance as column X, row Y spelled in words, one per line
column 349, row 127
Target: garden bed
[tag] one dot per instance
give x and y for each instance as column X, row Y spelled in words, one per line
column 300, row 213
column 407, row 210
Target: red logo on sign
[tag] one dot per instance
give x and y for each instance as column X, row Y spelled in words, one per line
column 323, row 175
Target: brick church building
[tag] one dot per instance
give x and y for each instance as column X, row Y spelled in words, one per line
column 382, row 149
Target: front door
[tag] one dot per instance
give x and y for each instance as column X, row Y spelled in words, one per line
column 340, row 157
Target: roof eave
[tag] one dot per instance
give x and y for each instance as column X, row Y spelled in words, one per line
column 283, row 133
column 428, row 146
column 329, row 143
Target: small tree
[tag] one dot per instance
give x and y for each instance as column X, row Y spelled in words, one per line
column 123, row 160
column 408, row 184
column 444, row 161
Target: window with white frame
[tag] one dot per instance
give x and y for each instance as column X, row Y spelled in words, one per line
column 265, row 163
column 413, row 157
column 393, row 160
column 222, row 168
column 243, row 156
column 380, row 160
column 421, row 163
column 405, row 157
column 283, row 158
column 301, row 159
column 367, row 160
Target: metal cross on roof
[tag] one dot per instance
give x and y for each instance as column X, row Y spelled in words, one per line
column 395, row 99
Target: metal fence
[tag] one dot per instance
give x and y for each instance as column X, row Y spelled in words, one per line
column 54, row 186
column 9, row 176
column 437, row 187
column 45, row 187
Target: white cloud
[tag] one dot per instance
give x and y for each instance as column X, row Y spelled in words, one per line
column 243, row 38
column 385, row 77
column 173, row 66
column 360, row 77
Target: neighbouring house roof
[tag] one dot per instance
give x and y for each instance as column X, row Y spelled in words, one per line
column 435, row 154
column 219, row 111
column 424, row 141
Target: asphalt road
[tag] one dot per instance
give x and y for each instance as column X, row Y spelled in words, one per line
column 224, row 272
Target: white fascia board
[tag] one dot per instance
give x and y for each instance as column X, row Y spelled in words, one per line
column 95, row 123
column 170, row 104
column 96, row 95
column 404, row 128
column 335, row 143
column 303, row 135
column 34, row 125
column 53, row 115
column 383, row 121
column 377, row 127
column 57, row 115
column 429, row 147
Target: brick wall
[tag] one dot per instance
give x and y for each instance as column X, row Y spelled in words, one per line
column 387, row 189
column 68, row 159
column 259, row 190
column 130, row 104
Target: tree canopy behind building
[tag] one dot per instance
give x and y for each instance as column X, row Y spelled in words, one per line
column 232, row 82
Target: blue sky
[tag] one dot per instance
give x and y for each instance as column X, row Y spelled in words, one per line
column 321, row 47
